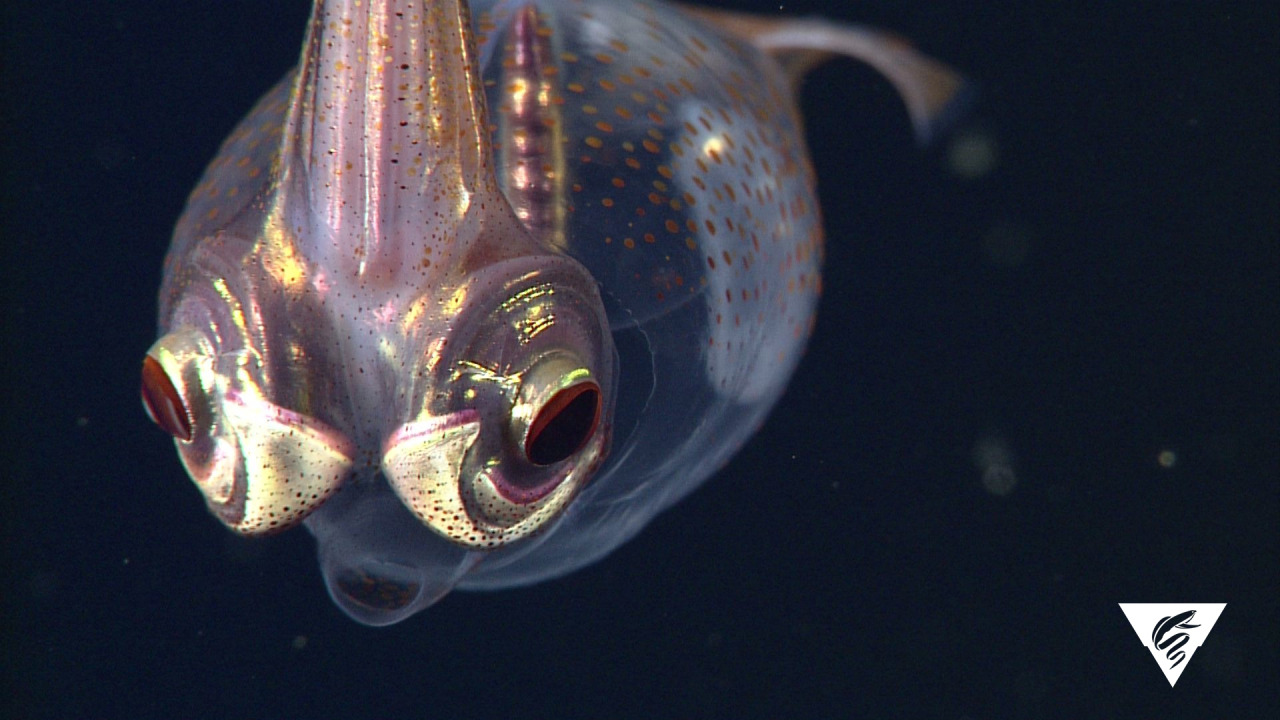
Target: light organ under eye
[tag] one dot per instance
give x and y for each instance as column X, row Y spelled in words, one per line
column 163, row 402
column 564, row 424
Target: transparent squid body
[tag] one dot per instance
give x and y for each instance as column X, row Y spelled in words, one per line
column 474, row 295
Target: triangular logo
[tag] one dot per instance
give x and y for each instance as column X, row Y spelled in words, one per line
column 1172, row 631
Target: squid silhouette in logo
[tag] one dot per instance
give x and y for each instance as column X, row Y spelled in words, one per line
column 1172, row 644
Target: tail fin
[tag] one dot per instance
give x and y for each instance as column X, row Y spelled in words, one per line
column 933, row 93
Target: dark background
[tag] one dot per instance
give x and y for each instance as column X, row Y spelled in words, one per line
column 1108, row 292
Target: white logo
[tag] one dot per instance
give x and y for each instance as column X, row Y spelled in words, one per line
column 1172, row 631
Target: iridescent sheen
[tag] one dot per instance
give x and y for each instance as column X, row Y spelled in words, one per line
column 474, row 294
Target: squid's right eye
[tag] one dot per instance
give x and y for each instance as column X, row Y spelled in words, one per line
column 564, row 424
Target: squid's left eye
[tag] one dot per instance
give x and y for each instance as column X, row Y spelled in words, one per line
column 165, row 405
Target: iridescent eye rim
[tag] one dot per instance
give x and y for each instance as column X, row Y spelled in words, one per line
column 163, row 402
column 564, row 424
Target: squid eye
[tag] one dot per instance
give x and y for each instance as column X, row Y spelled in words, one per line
column 164, row 404
column 564, row 424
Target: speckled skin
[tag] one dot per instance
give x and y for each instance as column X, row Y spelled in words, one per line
column 403, row 229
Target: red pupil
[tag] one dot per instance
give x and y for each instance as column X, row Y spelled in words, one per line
column 162, row 401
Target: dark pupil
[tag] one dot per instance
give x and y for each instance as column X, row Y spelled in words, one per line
column 563, row 425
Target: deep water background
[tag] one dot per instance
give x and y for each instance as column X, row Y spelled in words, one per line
column 1108, row 292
